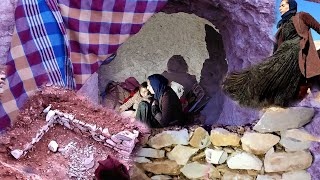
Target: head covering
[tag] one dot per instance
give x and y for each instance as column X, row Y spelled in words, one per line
column 111, row 169
column 159, row 83
column 287, row 15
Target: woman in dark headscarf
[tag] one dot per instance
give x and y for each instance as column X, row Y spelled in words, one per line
column 277, row 79
column 166, row 109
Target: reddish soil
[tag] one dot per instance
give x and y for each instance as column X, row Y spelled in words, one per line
column 40, row 160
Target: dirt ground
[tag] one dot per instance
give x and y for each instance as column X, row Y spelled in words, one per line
column 40, row 163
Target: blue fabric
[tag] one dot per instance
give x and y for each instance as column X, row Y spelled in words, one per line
column 159, row 83
column 55, row 36
column 287, row 15
column 292, row 5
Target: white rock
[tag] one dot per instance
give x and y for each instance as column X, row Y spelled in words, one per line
column 50, row 115
column 60, row 121
column 71, row 117
column 46, row 110
column 89, row 162
column 222, row 137
column 91, row 127
column 216, row 156
column 236, row 176
column 65, row 115
column 291, row 144
column 58, row 113
column 196, row 170
column 125, row 136
column 279, row 119
column 258, row 143
column 95, row 137
column 45, row 128
column 64, row 120
column 301, row 135
column 287, row 161
column 165, row 167
column 152, row 153
column 27, row 146
column 269, row 177
column 39, row 135
column 296, row 175
column 34, row 140
column 17, row 153
column 161, row 177
column 168, row 138
column 141, row 160
column 200, row 138
column 105, row 131
column 75, row 121
column 181, row 154
column 102, row 137
column 53, row 146
column 67, row 125
column 244, row 160
column 136, row 133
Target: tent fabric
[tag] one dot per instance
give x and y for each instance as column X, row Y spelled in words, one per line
column 63, row 42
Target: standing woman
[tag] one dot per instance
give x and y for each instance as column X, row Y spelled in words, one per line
column 277, row 79
column 165, row 110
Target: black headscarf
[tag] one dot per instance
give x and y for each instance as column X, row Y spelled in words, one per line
column 292, row 11
column 159, row 83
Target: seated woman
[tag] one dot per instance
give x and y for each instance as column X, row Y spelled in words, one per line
column 165, row 110
column 141, row 95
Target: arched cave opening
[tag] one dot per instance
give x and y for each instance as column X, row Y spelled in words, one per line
column 164, row 35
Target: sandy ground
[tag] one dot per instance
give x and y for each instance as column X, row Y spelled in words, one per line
column 40, row 163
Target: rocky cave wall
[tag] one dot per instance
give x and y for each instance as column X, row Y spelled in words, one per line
column 6, row 27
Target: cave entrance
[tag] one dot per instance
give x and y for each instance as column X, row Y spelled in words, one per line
column 163, row 36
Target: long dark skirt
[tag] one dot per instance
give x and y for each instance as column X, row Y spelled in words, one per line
column 275, row 81
column 144, row 114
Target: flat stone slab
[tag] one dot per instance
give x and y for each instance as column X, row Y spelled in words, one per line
column 181, row 154
column 168, row 138
column 149, row 152
column 280, row 119
column 244, row 160
column 258, row 143
column 166, row 167
column 287, row 161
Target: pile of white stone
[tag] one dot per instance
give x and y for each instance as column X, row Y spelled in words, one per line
column 274, row 149
column 123, row 142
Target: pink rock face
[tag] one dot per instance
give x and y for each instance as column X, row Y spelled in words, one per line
column 6, row 27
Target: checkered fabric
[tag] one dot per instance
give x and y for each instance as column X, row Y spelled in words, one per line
column 63, row 42
column 37, row 56
column 96, row 29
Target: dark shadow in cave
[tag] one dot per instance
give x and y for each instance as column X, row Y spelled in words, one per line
column 213, row 71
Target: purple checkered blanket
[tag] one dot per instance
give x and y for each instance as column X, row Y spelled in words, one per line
column 63, row 42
